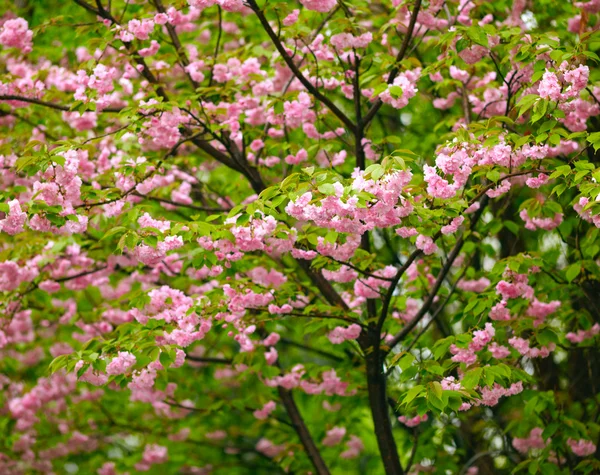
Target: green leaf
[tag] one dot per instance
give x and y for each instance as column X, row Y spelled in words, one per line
column 539, row 110
column 594, row 139
column 471, row 378
column 406, row 361
column 396, row 92
column 546, row 336
column 461, row 45
column 441, row 347
column 550, row 430
column 412, row 393
column 512, row 227
column 437, row 389
column 572, row 271
column 327, row 189
column 165, row 359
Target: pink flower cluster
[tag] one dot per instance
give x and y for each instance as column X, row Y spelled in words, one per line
column 140, row 29
column 573, row 81
column 582, row 335
column 341, row 211
column 163, row 130
column 547, row 224
column 413, row 421
column 477, row 286
column 586, row 214
column 15, row 33
column 425, row 244
column 265, row 411
column 533, row 441
column 268, row 448
column 322, row 6
column 291, row 18
column 540, row 310
column 101, row 81
column 406, row 81
column 153, row 454
column 334, row 436
column 331, row 384
column 346, row 40
column 121, row 364
column 498, row 351
column 12, row 275
column 355, row 447
column 370, row 287
column 450, row 384
column 14, row 220
column 519, row 287
column 153, row 256
column 173, row 306
column 582, row 447
column 271, row 356
column 522, row 346
column 491, row 396
column 341, row 334
column 480, row 340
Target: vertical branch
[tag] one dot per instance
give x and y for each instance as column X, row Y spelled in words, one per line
column 358, row 136
column 183, row 59
column 376, row 386
column 394, row 72
column 290, row 63
column 438, row 283
column 323, row 285
column 218, row 45
column 307, row 441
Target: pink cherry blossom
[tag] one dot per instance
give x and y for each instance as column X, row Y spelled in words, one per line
column 582, row 447
column 121, row 364
column 15, row 33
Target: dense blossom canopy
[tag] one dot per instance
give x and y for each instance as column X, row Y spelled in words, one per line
column 314, row 236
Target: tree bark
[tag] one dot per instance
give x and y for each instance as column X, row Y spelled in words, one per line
column 307, row 441
column 376, row 386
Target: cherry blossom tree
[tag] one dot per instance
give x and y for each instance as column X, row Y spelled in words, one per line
column 314, row 236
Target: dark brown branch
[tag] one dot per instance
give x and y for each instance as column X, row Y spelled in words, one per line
column 290, row 63
column 217, row 46
column 81, row 274
column 183, row 59
column 311, row 349
column 360, row 271
column 183, row 205
column 325, row 317
column 207, row 359
column 50, row 105
column 394, row 72
column 376, row 386
column 438, row 283
column 391, row 289
column 323, row 285
column 88, row 7
column 298, row 423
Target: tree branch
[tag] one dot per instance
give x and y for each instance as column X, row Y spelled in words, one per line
column 207, row 359
column 311, row 349
column 376, row 386
column 323, row 285
column 290, row 63
column 394, row 72
column 298, row 423
column 50, row 105
column 438, row 283
column 183, row 205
